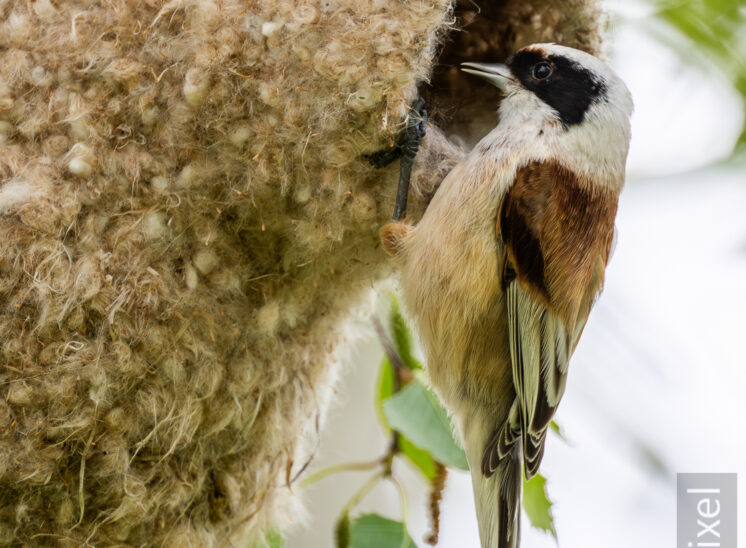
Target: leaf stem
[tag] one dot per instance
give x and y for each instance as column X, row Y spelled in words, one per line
column 360, row 493
column 337, row 468
column 403, row 501
column 400, row 372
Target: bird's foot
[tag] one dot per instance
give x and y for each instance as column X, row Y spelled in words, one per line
column 406, row 149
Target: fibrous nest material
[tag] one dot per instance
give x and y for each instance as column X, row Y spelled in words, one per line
column 188, row 227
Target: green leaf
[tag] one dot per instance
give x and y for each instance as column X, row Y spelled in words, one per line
column 342, row 531
column 537, row 505
column 384, row 389
column 402, row 336
column 374, row 531
column 557, row 429
column 713, row 31
column 416, row 413
column 275, row 540
column 272, row 539
column 419, row 457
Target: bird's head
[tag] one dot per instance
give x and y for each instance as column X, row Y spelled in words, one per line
column 572, row 99
column 574, row 85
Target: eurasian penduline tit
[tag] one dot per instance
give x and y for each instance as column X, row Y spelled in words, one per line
column 502, row 270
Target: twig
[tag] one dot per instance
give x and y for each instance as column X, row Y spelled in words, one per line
column 336, row 468
column 403, row 501
column 360, row 493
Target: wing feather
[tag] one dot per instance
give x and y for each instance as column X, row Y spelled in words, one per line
column 539, row 358
column 557, row 237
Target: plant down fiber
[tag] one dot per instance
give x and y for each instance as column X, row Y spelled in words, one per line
column 188, row 227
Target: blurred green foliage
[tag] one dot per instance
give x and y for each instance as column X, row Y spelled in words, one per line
column 421, row 434
column 419, row 457
column 717, row 29
column 416, row 412
column 272, row 539
column 373, row 531
column 537, row 505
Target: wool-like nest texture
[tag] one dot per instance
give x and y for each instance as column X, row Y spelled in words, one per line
column 188, row 233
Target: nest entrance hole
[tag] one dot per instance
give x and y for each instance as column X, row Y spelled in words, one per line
column 489, row 31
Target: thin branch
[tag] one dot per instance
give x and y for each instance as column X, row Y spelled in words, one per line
column 337, row 468
column 360, row 493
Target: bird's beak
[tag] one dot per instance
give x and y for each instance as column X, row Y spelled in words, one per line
column 498, row 74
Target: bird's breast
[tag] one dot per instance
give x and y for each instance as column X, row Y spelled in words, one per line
column 452, row 287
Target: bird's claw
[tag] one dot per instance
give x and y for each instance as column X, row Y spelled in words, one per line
column 406, row 148
column 408, row 141
column 413, row 134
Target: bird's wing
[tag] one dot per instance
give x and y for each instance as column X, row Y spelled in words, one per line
column 557, row 231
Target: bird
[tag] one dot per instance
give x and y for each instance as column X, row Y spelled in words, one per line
column 501, row 272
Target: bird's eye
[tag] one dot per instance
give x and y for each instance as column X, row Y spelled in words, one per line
column 542, row 70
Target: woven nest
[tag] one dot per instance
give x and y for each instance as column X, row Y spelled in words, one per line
column 188, row 228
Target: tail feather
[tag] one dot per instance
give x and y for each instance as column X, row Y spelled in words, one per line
column 497, row 490
column 497, row 500
column 534, row 452
column 502, row 442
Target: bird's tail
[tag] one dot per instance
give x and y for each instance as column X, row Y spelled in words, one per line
column 497, row 500
column 497, row 480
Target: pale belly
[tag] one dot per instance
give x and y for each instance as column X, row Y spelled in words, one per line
column 452, row 288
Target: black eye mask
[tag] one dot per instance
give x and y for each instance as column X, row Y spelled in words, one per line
column 570, row 89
